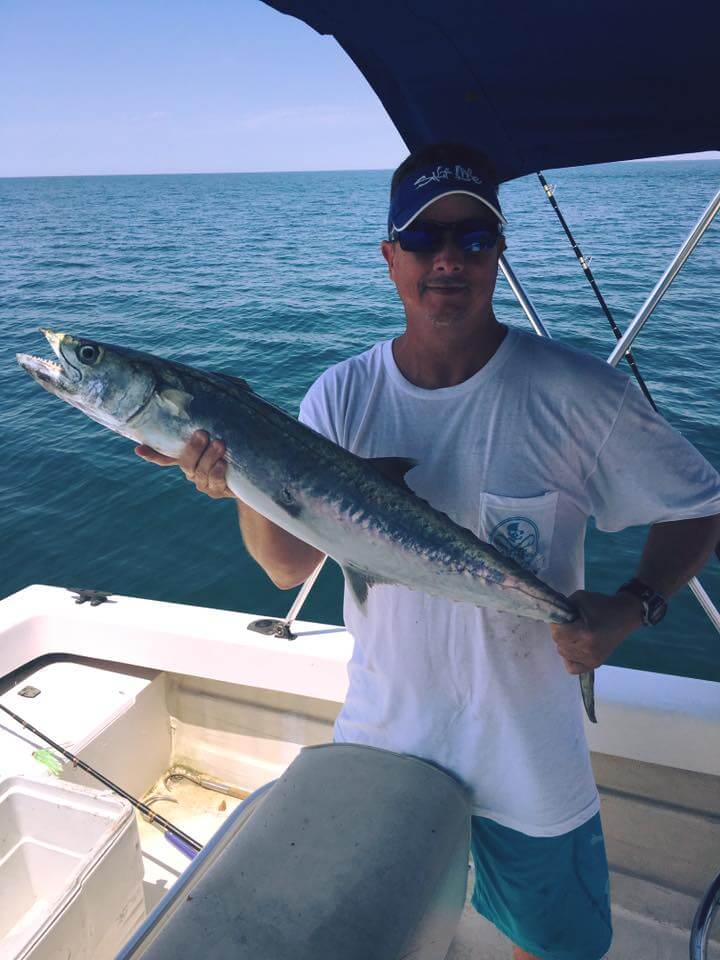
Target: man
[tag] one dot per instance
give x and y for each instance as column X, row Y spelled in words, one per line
column 519, row 439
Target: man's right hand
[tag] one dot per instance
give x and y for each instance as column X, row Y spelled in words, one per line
column 202, row 462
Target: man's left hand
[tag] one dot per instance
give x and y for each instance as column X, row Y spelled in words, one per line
column 603, row 624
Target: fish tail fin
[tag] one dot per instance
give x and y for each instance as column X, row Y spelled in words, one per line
column 587, row 688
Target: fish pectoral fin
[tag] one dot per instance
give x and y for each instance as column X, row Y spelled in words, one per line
column 393, row 468
column 175, row 401
column 359, row 585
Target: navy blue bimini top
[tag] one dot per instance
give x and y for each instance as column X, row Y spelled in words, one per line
column 536, row 85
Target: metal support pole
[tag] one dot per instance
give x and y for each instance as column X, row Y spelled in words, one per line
column 522, row 298
column 705, row 602
column 303, row 593
column 281, row 628
column 531, row 313
column 702, row 924
column 639, row 322
column 664, row 282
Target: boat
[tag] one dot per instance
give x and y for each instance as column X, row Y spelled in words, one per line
column 146, row 691
column 216, row 727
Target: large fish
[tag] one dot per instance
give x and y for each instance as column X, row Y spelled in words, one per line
column 360, row 512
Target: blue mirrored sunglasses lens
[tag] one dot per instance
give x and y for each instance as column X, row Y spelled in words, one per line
column 476, row 240
column 421, row 239
column 470, row 236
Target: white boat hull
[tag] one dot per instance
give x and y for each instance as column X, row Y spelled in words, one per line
column 203, row 691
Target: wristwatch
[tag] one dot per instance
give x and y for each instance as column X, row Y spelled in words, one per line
column 654, row 606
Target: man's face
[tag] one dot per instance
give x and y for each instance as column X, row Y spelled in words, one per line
column 450, row 288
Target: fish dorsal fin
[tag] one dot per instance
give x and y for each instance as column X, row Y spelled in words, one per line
column 235, row 381
column 393, row 468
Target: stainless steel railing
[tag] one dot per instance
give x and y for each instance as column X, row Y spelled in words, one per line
column 702, row 924
column 281, row 628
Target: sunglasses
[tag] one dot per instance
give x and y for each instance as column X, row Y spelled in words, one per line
column 428, row 236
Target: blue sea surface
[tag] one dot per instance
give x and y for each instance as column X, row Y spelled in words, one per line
column 273, row 277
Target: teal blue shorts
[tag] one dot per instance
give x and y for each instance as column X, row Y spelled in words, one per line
column 549, row 895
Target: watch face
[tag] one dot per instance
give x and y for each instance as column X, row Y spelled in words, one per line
column 656, row 609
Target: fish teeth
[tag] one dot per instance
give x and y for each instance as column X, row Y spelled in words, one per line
column 49, row 363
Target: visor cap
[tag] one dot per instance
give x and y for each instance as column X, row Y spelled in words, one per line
column 422, row 185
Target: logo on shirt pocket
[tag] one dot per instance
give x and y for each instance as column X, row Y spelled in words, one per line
column 519, row 539
column 520, row 528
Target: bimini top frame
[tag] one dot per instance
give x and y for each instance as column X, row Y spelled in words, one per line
column 677, row 263
column 625, row 342
column 281, row 628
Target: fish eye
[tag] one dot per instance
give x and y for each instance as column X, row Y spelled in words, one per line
column 88, row 353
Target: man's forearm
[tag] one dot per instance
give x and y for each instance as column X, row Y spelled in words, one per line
column 286, row 560
column 674, row 552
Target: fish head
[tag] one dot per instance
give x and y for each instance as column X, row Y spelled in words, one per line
column 107, row 383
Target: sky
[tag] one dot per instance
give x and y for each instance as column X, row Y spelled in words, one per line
column 103, row 87
column 100, row 86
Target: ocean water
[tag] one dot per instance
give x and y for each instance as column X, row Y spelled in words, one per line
column 273, row 277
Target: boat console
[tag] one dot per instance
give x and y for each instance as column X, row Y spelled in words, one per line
column 354, row 852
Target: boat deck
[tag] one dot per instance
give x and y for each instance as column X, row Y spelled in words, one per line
column 196, row 811
column 137, row 723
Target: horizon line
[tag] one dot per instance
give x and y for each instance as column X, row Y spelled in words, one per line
column 680, row 158
column 191, row 173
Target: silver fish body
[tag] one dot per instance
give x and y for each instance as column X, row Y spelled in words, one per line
column 347, row 507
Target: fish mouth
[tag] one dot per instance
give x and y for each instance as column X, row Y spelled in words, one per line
column 56, row 377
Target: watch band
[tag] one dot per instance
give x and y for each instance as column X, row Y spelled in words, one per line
column 654, row 605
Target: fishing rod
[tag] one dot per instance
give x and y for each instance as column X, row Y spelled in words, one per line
column 172, row 834
column 584, row 263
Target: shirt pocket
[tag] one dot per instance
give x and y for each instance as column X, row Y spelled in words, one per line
column 521, row 528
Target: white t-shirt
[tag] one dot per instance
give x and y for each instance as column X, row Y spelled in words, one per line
column 540, row 438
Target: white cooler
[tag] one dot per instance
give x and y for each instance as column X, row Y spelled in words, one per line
column 71, row 877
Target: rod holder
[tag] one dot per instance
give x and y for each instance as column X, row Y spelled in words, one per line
column 281, row 628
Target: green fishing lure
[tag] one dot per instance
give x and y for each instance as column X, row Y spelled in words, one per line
column 49, row 760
